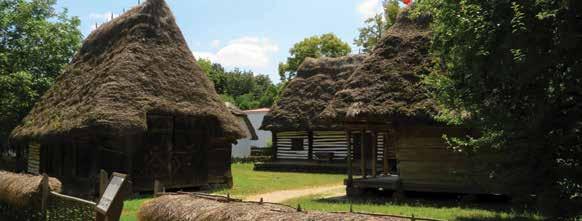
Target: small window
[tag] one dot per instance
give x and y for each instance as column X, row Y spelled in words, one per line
column 297, row 144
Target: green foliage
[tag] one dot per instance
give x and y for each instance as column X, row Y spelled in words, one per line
column 326, row 45
column 36, row 43
column 372, row 32
column 241, row 88
column 513, row 69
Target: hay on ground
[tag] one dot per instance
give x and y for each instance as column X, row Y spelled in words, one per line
column 20, row 189
column 186, row 207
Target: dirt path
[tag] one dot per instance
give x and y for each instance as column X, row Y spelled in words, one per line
column 284, row 195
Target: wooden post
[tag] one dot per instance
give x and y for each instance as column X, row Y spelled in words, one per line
column 350, row 155
column 385, row 158
column 103, row 182
column 374, row 140
column 274, row 148
column 45, row 194
column 310, row 145
column 157, row 188
column 363, row 153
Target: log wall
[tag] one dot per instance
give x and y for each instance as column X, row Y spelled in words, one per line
column 330, row 141
column 284, row 150
column 426, row 163
column 325, row 142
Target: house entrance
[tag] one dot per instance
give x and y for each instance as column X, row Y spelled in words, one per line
column 174, row 152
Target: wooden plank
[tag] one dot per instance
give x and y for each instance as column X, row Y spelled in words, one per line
column 34, row 158
column 430, row 131
column 429, row 154
column 385, row 156
column 350, row 173
column 363, row 154
column 275, row 145
column 374, row 153
column 310, row 145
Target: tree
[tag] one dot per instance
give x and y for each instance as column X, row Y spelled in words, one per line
column 375, row 26
column 36, row 43
column 514, row 69
column 326, row 45
column 215, row 73
column 241, row 88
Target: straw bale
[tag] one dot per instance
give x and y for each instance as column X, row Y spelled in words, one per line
column 186, row 207
column 21, row 190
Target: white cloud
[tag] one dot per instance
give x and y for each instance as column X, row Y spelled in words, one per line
column 369, row 8
column 245, row 52
column 102, row 16
column 215, row 43
column 205, row 55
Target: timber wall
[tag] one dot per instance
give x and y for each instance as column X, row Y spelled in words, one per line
column 426, row 163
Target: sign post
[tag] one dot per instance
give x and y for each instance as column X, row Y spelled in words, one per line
column 110, row 205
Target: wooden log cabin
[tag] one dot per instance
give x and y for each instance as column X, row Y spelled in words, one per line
column 133, row 100
column 385, row 97
column 300, row 142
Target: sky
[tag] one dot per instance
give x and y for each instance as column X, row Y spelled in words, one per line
column 252, row 35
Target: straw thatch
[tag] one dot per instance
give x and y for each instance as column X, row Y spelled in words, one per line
column 20, row 189
column 197, row 208
column 309, row 93
column 245, row 122
column 388, row 85
column 133, row 65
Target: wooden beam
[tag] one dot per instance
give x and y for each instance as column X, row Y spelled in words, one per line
column 374, row 159
column 350, row 155
column 385, row 152
column 310, row 145
column 363, row 153
column 274, row 143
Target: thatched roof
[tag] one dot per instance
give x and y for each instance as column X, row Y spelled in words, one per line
column 244, row 121
column 197, row 208
column 20, row 189
column 388, row 84
column 309, row 93
column 135, row 64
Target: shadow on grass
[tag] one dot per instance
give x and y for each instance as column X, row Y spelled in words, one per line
column 494, row 204
column 496, row 218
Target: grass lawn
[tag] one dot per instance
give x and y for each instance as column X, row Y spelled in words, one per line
column 444, row 210
column 248, row 182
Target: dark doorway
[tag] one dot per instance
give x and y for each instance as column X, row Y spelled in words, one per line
column 357, row 139
column 174, row 152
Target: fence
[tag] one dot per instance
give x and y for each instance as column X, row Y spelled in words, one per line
column 228, row 199
column 54, row 206
column 159, row 190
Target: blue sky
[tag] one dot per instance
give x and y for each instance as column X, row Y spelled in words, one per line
column 250, row 34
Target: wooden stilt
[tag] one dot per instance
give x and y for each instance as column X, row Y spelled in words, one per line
column 274, row 147
column 374, row 153
column 310, row 145
column 363, row 153
column 385, row 153
column 350, row 155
